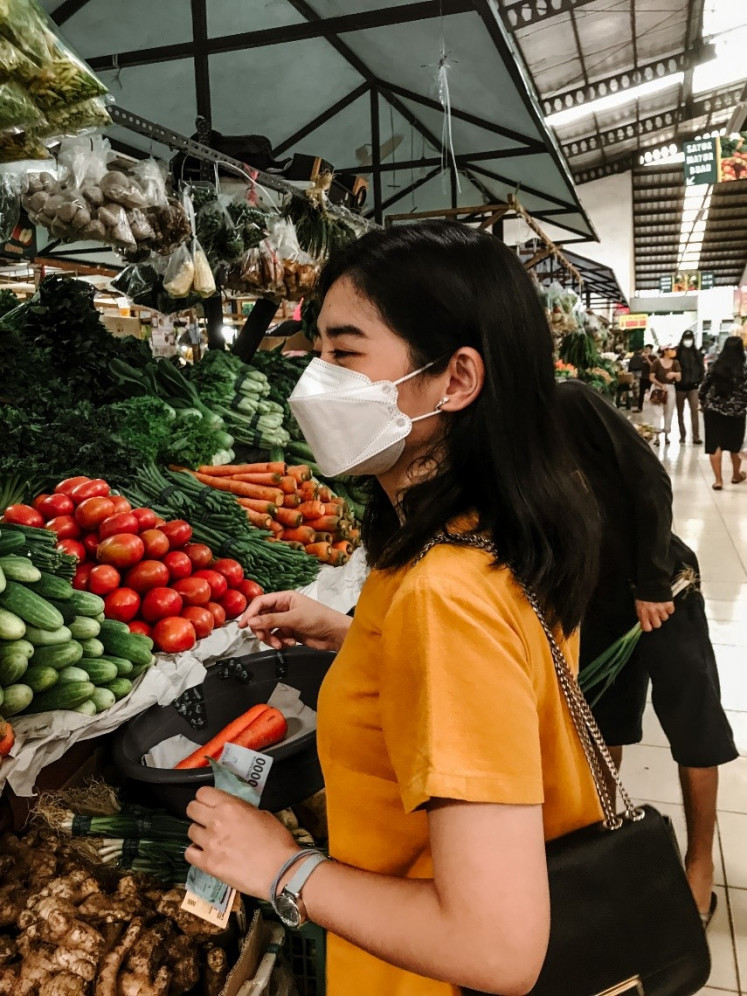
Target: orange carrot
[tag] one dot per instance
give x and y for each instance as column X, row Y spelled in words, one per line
column 292, row 501
column 276, row 527
column 324, row 538
column 325, row 523
column 309, row 489
column 267, row 480
column 242, row 489
column 322, row 551
column 268, row 728
column 334, row 507
column 289, row 485
column 325, row 493
column 311, row 509
column 230, row 469
column 214, row 746
column 289, row 517
column 257, row 505
column 344, row 547
column 300, row 535
column 258, row 519
column 293, row 546
column 301, row 473
column 354, row 533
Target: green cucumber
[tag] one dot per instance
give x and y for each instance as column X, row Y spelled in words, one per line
column 64, row 695
column 19, row 569
column 3, row 582
column 50, row 586
column 12, row 669
column 32, row 608
column 113, row 626
column 133, row 646
column 99, row 671
column 84, row 628
column 2, row 699
column 9, row 648
column 87, row 604
column 92, row 647
column 40, row 679
column 11, row 542
column 124, row 667
column 48, row 637
column 87, row 708
column 120, row 687
column 16, row 698
column 100, row 617
column 58, row 655
column 73, row 674
column 12, row 627
column 65, row 609
column 138, row 670
column 103, row 698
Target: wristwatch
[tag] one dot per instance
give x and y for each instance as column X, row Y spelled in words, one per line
column 288, row 905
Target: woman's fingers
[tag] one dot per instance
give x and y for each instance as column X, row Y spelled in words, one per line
column 278, row 601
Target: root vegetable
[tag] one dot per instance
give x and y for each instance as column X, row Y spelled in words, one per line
column 182, row 958
column 64, row 984
column 106, row 980
column 216, row 971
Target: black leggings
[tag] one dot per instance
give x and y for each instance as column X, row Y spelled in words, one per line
column 645, row 385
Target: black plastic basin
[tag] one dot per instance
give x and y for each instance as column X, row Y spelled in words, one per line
column 295, row 773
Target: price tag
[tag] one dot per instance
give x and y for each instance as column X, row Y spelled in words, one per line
column 206, row 911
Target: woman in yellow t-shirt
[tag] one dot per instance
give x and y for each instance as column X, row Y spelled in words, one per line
column 448, row 754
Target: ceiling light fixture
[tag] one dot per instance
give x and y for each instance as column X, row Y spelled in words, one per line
column 613, row 100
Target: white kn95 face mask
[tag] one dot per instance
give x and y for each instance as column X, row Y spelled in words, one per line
column 352, row 424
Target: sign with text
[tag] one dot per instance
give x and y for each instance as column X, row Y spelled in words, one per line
column 629, row 322
column 666, row 284
column 702, row 160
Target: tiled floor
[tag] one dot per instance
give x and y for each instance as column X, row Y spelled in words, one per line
column 715, row 525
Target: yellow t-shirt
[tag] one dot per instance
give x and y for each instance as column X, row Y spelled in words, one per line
column 444, row 688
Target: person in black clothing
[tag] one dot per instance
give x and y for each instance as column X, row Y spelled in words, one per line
column 639, row 558
column 645, row 372
column 686, row 391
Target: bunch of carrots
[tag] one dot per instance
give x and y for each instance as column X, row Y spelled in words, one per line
column 287, row 502
column 259, row 727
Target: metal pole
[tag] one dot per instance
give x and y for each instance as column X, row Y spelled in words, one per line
column 376, row 157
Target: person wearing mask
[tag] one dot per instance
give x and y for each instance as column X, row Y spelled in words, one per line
column 639, row 559
column 647, row 359
column 691, row 361
column 448, row 755
column 723, row 395
column 665, row 374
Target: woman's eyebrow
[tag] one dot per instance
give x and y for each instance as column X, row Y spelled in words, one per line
column 336, row 331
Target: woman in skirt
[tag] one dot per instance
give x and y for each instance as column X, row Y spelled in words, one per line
column 723, row 397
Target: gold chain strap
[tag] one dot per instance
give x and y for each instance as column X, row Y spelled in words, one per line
column 593, row 744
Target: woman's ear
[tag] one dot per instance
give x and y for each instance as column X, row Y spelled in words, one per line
column 465, row 379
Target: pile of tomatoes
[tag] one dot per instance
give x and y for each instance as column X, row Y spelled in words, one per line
column 147, row 570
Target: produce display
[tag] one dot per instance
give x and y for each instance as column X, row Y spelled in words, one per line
column 71, row 927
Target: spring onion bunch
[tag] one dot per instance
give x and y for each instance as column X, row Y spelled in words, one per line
column 41, row 545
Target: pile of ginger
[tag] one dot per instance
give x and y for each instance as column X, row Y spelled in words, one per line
column 67, row 931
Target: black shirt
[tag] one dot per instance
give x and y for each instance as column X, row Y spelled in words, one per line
column 639, row 554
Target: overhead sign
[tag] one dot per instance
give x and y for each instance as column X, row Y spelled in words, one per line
column 686, row 282
column 733, row 157
column 629, row 322
column 666, row 284
column 702, row 160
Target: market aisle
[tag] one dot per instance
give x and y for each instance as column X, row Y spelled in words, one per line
column 715, row 525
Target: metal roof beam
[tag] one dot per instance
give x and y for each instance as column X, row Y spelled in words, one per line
column 409, row 189
column 66, row 10
column 320, row 119
column 525, row 13
column 462, row 160
column 579, row 95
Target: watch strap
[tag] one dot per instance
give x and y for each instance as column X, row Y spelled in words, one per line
column 300, row 877
column 301, row 855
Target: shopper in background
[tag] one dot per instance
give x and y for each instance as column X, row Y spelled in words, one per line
column 723, row 395
column 449, row 756
column 647, row 358
column 665, row 374
column 639, row 559
column 691, row 361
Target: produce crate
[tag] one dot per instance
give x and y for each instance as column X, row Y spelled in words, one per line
column 307, row 952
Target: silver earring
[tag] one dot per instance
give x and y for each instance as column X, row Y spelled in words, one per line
column 441, row 403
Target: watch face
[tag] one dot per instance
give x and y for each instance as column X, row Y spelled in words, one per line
column 287, row 910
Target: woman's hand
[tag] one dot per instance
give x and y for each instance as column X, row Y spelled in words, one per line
column 286, row 618
column 235, row 842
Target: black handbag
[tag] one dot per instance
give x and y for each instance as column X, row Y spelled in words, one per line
column 623, row 918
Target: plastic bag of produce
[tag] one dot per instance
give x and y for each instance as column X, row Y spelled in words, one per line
column 116, row 226
column 143, row 284
column 10, row 203
column 23, row 24
column 17, row 146
column 15, row 63
column 204, row 281
column 180, row 273
column 150, row 178
column 75, row 119
column 17, row 110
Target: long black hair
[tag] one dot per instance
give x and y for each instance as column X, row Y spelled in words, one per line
column 728, row 369
column 440, row 286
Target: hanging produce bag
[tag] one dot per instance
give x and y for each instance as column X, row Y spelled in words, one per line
column 143, row 284
column 180, row 273
column 18, row 111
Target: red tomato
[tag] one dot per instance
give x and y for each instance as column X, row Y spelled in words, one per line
column 146, row 517
column 138, row 626
column 38, row 500
column 122, row 550
column 92, row 512
column 121, row 504
column 249, row 589
column 173, row 635
column 194, row 591
column 23, row 515
column 103, row 579
column 90, row 489
column 65, row 526
column 146, row 575
column 69, row 485
column 122, row 605
column 159, row 522
column 218, row 584
column 201, row 619
column 200, row 555
column 80, row 581
column 217, row 612
column 179, row 565
column 54, row 505
column 161, row 602
column 91, row 542
column 231, row 570
column 73, row 548
column 121, row 522
column 156, row 544
column 179, row 533
column 234, row 603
